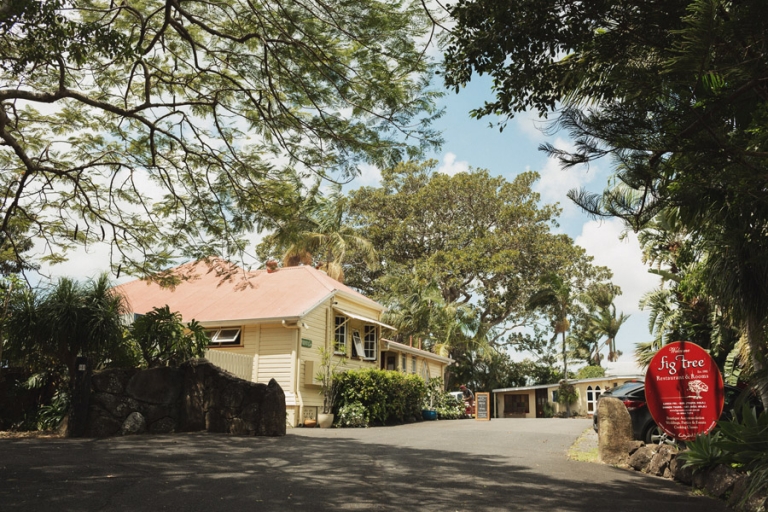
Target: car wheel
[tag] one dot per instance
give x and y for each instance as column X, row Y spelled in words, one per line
column 653, row 435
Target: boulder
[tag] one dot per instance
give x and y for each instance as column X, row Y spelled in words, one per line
column 659, row 463
column 741, row 501
column 720, row 480
column 113, row 380
column 101, row 423
column 614, row 431
column 135, row 423
column 165, row 425
column 680, row 473
column 641, row 459
column 156, row 385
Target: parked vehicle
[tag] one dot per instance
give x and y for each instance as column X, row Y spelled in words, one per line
column 643, row 426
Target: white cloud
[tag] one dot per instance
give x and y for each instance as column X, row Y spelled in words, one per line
column 530, row 124
column 370, row 176
column 451, row 167
column 623, row 257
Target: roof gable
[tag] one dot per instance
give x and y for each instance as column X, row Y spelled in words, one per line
column 221, row 292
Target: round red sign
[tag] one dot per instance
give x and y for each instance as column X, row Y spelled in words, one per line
column 684, row 390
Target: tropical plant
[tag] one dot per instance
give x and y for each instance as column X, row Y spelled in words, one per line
column 741, row 442
column 318, row 236
column 48, row 330
column 607, row 324
column 388, row 397
column 567, row 395
column 327, row 376
column 554, row 296
column 590, row 372
column 163, row 340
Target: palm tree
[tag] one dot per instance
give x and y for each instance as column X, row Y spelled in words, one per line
column 318, row 236
column 554, row 296
column 607, row 324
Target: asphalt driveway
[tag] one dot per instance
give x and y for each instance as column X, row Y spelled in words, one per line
column 445, row 465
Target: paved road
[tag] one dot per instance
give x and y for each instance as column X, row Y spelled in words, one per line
column 445, row 465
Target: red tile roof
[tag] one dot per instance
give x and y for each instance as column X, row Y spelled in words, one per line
column 222, row 292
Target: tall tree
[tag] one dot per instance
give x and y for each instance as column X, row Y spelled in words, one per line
column 50, row 329
column 682, row 111
column 554, row 296
column 482, row 240
column 170, row 128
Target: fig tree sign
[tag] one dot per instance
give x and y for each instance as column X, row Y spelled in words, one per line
column 684, row 390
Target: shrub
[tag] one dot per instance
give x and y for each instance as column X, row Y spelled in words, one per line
column 444, row 403
column 567, row 394
column 741, row 442
column 388, row 397
column 352, row 415
column 590, row 372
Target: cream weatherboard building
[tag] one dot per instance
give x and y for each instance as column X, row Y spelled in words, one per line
column 531, row 401
column 272, row 324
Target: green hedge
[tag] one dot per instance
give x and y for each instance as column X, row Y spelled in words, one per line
column 388, row 397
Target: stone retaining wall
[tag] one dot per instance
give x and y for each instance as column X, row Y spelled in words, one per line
column 196, row 396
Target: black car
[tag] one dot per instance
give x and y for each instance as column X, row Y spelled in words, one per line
column 643, row 427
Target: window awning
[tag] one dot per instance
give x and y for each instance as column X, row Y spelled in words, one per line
column 363, row 318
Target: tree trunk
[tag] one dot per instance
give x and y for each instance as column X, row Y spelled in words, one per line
column 756, row 340
column 565, row 375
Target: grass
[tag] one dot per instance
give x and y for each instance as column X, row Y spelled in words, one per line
column 585, row 447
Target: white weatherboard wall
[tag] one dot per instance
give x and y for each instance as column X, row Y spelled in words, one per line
column 239, row 365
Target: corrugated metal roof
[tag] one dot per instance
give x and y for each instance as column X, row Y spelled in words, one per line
column 221, row 292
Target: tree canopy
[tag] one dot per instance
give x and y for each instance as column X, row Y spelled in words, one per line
column 674, row 92
column 480, row 242
column 169, row 128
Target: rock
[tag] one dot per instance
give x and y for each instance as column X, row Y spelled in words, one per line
column 113, row 380
column 165, row 425
column 634, row 446
column 661, row 459
column 614, row 431
column 738, row 500
column 699, row 479
column 156, row 385
column 642, row 458
column 135, row 423
column 679, row 473
column 720, row 480
column 101, row 424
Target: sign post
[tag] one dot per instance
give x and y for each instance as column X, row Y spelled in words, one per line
column 684, row 390
column 483, row 406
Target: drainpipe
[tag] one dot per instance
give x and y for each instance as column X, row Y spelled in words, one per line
column 296, row 364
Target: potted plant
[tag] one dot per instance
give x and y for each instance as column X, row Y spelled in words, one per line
column 432, row 398
column 328, row 387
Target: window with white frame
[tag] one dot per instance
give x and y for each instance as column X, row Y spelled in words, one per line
column 340, row 335
column 403, row 363
column 224, row 336
column 370, row 342
column 592, row 398
column 413, row 364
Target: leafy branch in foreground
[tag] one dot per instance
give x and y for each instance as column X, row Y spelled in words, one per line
column 167, row 128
